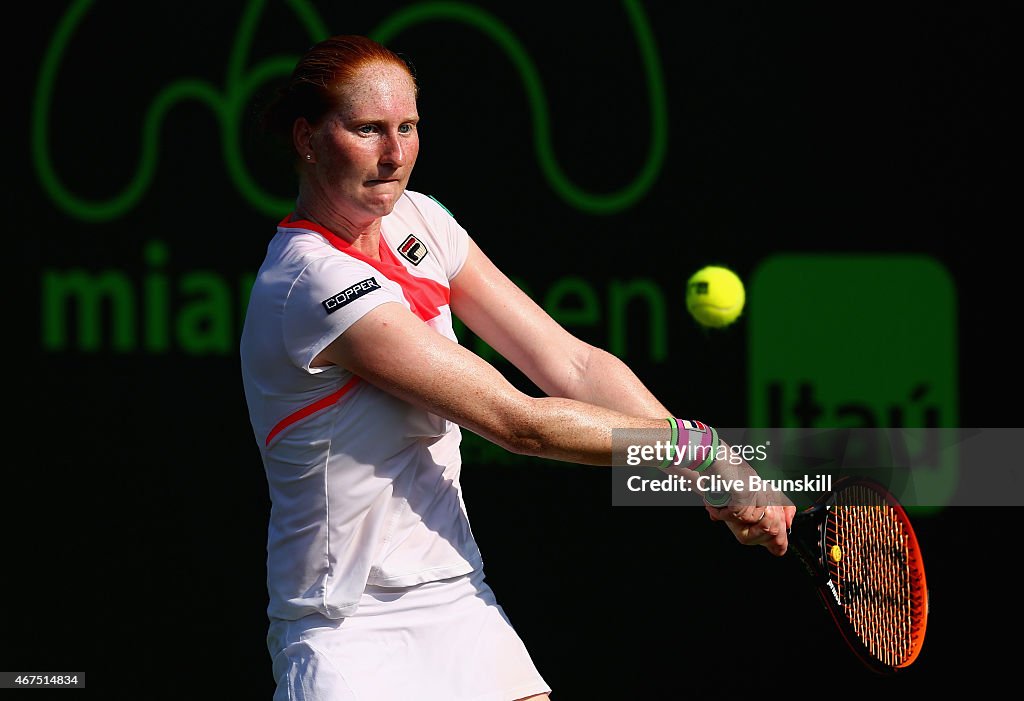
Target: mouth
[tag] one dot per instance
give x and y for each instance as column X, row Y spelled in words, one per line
column 383, row 181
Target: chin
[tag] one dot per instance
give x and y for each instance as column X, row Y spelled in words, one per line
column 382, row 205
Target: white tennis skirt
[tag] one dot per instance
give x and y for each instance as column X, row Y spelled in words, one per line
column 446, row 640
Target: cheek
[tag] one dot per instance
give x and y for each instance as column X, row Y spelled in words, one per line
column 413, row 149
column 350, row 156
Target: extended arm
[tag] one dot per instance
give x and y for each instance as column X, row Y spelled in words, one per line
column 428, row 370
column 560, row 364
column 394, row 350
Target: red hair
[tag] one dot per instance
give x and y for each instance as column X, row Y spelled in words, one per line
column 317, row 83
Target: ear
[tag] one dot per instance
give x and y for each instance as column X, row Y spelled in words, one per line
column 302, row 138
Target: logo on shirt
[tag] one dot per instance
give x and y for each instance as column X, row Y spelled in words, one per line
column 350, row 294
column 413, row 250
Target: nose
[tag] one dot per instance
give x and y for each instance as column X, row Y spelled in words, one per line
column 394, row 150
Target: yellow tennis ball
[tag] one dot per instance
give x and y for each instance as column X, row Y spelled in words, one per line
column 715, row 296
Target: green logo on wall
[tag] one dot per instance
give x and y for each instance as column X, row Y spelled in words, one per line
column 858, row 341
column 227, row 101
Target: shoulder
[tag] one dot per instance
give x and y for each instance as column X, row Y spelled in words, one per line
column 427, row 206
column 422, row 219
column 294, row 243
column 299, row 258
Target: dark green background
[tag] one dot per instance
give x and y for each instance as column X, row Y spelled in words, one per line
column 135, row 504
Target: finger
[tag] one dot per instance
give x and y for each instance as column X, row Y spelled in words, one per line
column 751, row 535
column 779, row 544
column 774, row 530
column 748, row 514
column 775, row 542
column 779, row 519
column 779, row 532
column 769, row 532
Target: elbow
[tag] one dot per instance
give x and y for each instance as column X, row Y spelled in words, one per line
column 523, row 445
column 519, row 429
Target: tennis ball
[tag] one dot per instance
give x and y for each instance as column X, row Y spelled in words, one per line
column 715, row 296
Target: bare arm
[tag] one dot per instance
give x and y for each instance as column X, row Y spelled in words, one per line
column 428, row 370
column 394, row 350
column 560, row 364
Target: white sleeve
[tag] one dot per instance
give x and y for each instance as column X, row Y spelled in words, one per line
column 446, row 231
column 458, row 246
column 331, row 294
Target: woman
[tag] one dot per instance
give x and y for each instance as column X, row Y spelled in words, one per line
column 357, row 389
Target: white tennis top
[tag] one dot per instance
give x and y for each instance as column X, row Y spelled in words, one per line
column 364, row 487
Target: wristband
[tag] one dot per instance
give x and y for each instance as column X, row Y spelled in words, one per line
column 674, row 441
column 701, row 445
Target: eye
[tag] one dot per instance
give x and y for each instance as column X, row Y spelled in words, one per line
column 406, row 128
column 367, row 129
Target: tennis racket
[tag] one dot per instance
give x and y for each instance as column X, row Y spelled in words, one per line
column 859, row 547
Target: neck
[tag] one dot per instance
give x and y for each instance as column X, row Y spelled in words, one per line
column 364, row 237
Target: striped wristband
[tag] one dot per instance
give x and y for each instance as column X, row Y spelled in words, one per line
column 673, row 441
column 701, row 446
column 699, row 450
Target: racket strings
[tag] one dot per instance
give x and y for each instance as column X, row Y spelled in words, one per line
column 869, row 562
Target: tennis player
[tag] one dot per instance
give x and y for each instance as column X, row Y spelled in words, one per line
column 357, row 390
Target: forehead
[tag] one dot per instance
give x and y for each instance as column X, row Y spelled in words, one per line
column 378, row 88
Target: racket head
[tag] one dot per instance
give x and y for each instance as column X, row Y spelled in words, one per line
column 859, row 546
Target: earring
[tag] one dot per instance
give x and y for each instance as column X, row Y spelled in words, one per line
column 309, row 156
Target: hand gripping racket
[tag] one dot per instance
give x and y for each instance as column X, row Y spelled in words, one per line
column 859, row 547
